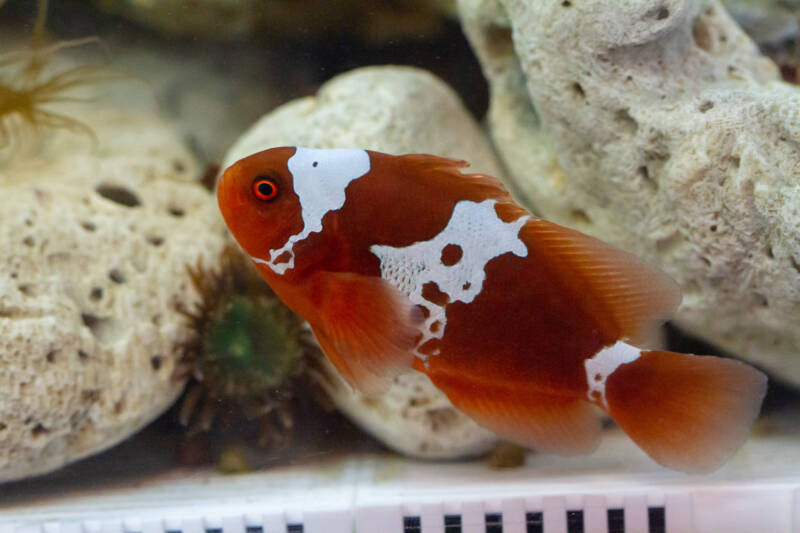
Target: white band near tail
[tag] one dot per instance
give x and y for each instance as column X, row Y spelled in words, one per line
column 603, row 364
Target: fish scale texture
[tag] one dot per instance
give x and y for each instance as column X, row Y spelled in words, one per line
column 658, row 127
column 94, row 249
column 395, row 110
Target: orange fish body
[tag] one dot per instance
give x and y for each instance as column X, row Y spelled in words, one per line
column 403, row 261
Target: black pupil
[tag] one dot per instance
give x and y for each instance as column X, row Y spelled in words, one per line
column 266, row 188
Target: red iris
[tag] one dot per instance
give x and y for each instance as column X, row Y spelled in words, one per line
column 265, row 189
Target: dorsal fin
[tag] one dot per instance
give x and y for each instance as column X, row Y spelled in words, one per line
column 449, row 173
column 621, row 290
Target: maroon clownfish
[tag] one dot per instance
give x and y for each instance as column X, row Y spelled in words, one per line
column 401, row 262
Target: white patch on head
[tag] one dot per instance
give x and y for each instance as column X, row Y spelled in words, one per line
column 320, row 178
column 603, row 364
column 481, row 235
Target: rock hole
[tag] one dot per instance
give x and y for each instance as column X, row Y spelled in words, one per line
column 668, row 244
column 83, row 355
column 736, row 161
column 119, row 195
column 119, row 406
column 314, row 164
column 566, row 3
column 662, row 13
column 705, row 106
column 431, row 292
column 713, row 228
column 598, row 377
column 576, row 87
column 701, row 34
column 28, row 241
column 107, row 330
column 451, row 254
column 89, row 320
column 441, row 417
column 795, row 264
column 90, row 395
column 769, row 252
column 499, row 41
column 580, row 216
column 466, row 286
column 155, row 240
column 116, row 276
column 626, row 121
column 13, row 275
column 761, row 300
column 3, row 426
column 209, row 177
column 706, row 261
column 691, row 287
column 88, row 226
column 26, row 289
column 178, row 166
column 51, row 356
column 96, row 294
column 176, row 211
column 39, row 430
column 155, row 362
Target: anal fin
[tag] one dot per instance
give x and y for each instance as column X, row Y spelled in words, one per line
column 366, row 327
column 545, row 422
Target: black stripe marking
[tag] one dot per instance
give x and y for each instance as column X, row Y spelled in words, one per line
column 616, row 520
column 452, row 523
column 494, row 522
column 656, row 520
column 534, row 522
column 412, row 524
column 575, row 521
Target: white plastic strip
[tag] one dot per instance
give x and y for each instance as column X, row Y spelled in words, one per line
column 595, row 517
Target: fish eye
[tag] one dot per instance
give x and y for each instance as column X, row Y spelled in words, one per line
column 265, row 189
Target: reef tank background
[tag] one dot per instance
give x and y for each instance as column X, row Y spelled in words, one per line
column 144, row 366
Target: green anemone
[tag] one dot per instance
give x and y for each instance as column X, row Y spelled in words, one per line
column 252, row 347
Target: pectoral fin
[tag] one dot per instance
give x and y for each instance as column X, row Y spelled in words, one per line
column 366, row 327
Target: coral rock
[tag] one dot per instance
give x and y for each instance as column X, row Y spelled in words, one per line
column 659, row 128
column 396, row 110
column 94, row 247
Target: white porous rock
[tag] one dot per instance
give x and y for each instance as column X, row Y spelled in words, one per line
column 658, row 127
column 396, row 110
column 94, row 245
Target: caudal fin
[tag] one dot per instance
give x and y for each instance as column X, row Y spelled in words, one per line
column 688, row 412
